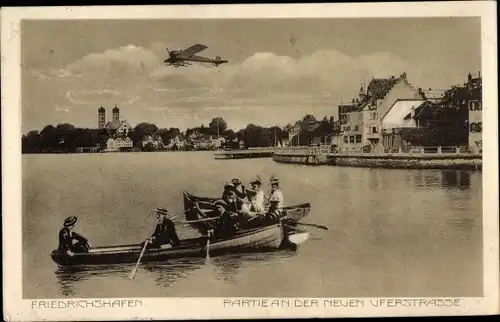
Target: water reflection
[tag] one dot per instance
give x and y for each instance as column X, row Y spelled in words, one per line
column 69, row 277
column 455, row 179
column 165, row 273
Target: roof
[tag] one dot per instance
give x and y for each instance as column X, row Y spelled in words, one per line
column 379, row 87
column 347, row 108
column 101, row 109
column 116, row 109
column 114, row 125
column 399, row 111
column 425, row 110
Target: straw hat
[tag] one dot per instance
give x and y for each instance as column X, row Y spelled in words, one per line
column 236, row 181
column 70, row 221
column 228, row 185
column 257, row 180
column 274, row 199
column 274, row 180
column 220, row 202
column 161, row 210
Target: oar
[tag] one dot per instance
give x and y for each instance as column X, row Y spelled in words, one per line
column 132, row 273
column 199, row 220
column 177, row 214
column 207, row 258
column 312, row 225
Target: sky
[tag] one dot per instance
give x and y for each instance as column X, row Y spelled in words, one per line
column 279, row 70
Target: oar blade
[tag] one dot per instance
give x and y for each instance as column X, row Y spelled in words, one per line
column 298, row 238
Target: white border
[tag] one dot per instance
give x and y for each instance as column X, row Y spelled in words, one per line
column 17, row 309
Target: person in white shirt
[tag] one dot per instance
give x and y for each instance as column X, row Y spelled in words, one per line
column 276, row 192
column 259, row 196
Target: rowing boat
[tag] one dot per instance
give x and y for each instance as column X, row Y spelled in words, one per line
column 258, row 239
column 197, row 210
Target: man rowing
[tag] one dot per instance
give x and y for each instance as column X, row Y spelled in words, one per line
column 69, row 241
column 164, row 235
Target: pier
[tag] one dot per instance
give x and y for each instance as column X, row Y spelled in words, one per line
column 244, row 154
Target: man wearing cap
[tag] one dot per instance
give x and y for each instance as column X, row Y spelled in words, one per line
column 227, row 223
column 259, row 196
column 228, row 190
column 276, row 192
column 69, row 241
column 164, row 235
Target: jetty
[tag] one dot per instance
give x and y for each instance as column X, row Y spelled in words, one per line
column 245, row 154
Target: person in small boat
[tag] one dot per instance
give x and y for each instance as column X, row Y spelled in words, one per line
column 228, row 190
column 239, row 192
column 227, row 223
column 69, row 241
column 274, row 212
column 276, row 192
column 251, row 208
column 259, row 197
column 165, row 235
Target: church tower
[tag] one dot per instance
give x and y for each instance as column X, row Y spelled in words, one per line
column 101, row 118
column 116, row 114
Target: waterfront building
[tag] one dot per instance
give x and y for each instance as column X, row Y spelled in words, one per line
column 118, row 144
column 401, row 115
column 177, row 142
column 475, row 108
column 361, row 120
column 155, row 140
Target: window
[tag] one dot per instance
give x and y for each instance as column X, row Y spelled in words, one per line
column 356, row 128
column 351, row 139
column 373, row 115
column 475, row 106
column 346, row 139
column 393, row 144
column 348, row 128
column 358, row 138
column 476, row 127
column 374, row 130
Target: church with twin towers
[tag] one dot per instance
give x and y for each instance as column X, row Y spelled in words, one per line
column 115, row 126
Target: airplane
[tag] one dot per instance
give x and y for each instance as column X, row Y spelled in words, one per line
column 182, row 58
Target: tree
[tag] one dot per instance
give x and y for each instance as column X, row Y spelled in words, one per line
column 141, row 130
column 217, row 122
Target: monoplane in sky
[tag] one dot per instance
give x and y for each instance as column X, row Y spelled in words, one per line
column 184, row 57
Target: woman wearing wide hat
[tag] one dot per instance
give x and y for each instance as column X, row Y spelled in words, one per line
column 259, row 194
column 276, row 192
column 69, row 241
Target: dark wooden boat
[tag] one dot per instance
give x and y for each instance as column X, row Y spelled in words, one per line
column 199, row 208
column 258, row 239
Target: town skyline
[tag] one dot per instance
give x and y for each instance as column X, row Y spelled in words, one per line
column 274, row 77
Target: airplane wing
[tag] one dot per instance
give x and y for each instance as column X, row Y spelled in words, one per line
column 187, row 53
column 201, row 59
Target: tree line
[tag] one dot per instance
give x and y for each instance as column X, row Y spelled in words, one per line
column 66, row 138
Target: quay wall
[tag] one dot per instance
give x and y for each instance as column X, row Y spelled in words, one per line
column 462, row 161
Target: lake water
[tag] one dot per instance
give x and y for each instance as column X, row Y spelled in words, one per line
column 401, row 233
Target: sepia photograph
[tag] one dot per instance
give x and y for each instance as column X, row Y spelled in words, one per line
column 231, row 157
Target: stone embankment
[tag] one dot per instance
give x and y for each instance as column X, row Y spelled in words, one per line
column 308, row 156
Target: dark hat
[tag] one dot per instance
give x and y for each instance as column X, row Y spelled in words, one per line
column 161, row 210
column 236, row 181
column 250, row 192
column 70, row 221
column 220, row 202
column 257, row 180
column 228, row 185
column 274, row 199
column 274, row 180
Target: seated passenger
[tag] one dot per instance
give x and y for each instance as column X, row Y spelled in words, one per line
column 227, row 224
column 274, row 212
column 259, row 197
column 69, row 241
column 239, row 192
